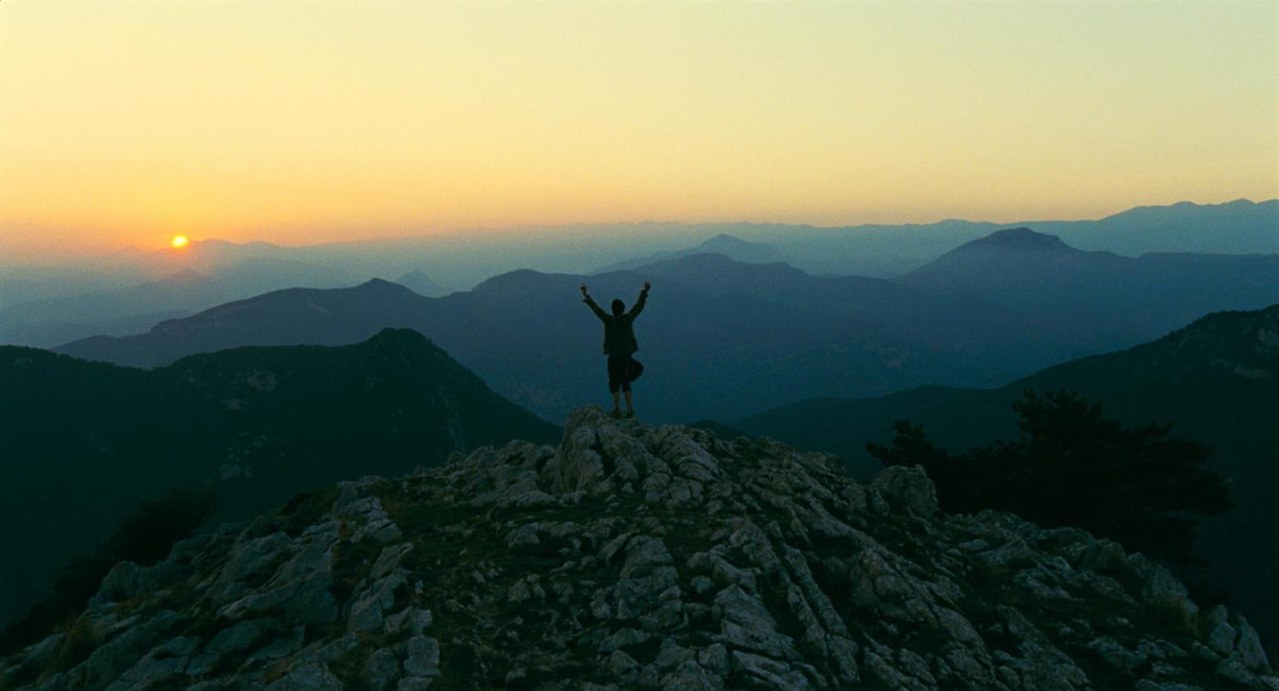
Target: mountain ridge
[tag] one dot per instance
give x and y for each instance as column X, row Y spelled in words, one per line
column 1088, row 292
column 462, row 261
column 977, row 319
column 86, row 441
column 511, row 326
column 725, row 244
column 1020, row 237
column 635, row 556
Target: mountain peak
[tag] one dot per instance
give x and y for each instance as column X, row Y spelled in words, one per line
column 380, row 285
column 739, row 249
column 995, row 258
column 421, row 283
column 724, row 240
column 654, row 557
column 519, row 279
column 405, row 346
column 394, row 335
column 1021, row 238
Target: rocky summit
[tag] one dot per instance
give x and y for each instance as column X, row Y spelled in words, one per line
column 634, row 556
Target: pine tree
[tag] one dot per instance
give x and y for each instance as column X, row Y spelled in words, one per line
column 1071, row 465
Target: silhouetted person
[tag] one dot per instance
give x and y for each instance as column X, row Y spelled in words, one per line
column 619, row 345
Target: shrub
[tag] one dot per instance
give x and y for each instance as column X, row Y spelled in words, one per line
column 1071, row 465
column 144, row 536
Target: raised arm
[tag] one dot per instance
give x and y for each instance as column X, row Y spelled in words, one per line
column 639, row 303
column 591, row 303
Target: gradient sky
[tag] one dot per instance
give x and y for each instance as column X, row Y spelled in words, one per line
column 127, row 123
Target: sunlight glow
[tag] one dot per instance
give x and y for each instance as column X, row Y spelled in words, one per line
column 252, row 121
column 180, row 241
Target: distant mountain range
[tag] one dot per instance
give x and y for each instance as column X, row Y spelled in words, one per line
column 85, row 442
column 1238, row 227
column 726, row 339
column 734, row 248
column 418, row 282
column 44, row 306
column 718, row 336
column 1216, row 381
column 118, row 311
column 1100, row 294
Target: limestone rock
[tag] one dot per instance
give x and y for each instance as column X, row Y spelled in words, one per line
column 633, row 556
column 907, row 489
column 307, row 677
column 422, row 658
column 1249, row 648
column 381, row 670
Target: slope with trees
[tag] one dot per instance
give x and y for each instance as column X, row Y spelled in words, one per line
column 1215, row 381
column 85, row 442
column 1073, row 466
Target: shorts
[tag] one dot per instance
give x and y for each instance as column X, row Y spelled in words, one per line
column 617, row 380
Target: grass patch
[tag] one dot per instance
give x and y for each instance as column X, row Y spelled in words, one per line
column 351, row 560
column 81, row 639
column 349, row 668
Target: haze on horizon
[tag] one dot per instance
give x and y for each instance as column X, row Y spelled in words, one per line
column 127, row 124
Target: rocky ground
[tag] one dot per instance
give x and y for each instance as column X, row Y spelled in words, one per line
column 642, row 557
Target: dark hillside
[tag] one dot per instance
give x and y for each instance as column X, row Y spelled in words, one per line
column 1216, row 381
column 85, row 442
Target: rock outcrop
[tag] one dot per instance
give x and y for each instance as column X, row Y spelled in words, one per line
column 641, row 557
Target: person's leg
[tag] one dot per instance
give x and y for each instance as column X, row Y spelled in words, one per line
column 626, row 391
column 617, row 408
column 616, row 382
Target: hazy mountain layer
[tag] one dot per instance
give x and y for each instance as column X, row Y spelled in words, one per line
column 641, row 557
column 724, row 339
column 1099, row 294
column 726, row 245
column 1216, row 381
column 51, row 321
column 85, row 442
column 1239, row 227
column 460, row 260
column 418, row 282
column 720, row 338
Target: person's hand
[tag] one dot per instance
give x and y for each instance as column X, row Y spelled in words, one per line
column 646, row 286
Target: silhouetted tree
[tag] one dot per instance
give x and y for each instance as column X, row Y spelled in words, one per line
column 144, row 536
column 1072, row 465
column 147, row 533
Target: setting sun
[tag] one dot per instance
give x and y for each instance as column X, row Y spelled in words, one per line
column 180, row 241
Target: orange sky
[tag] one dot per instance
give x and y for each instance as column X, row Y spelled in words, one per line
column 128, row 123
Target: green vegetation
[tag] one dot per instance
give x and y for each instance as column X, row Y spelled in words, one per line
column 459, row 548
column 144, row 537
column 261, row 423
column 1215, row 381
column 305, row 509
column 1072, row 466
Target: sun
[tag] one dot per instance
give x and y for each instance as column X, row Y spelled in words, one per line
column 180, row 241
